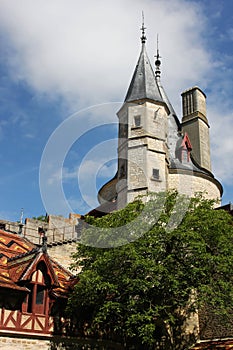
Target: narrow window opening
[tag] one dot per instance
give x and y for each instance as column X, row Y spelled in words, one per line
column 122, row 172
column 40, row 295
column 155, row 174
column 137, row 121
column 30, row 297
column 156, row 113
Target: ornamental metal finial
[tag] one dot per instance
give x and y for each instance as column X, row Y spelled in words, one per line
column 21, row 216
column 44, row 239
column 157, row 61
column 143, row 37
column 21, row 225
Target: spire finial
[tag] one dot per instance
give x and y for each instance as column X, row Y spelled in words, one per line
column 21, row 216
column 157, row 61
column 42, row 233
column 143, row 37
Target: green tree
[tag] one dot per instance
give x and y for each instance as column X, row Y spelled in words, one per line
column 43, row 218
column 142, row 293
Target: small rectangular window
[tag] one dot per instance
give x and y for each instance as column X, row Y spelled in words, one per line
column 137, row 121
column 155, row 174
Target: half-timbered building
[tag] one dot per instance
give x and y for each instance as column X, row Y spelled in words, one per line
column 33, row 288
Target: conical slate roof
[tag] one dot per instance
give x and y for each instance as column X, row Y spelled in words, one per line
column 143, row 84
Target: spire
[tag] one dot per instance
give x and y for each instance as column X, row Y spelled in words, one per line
column 143, row 84
column 143, row 37
column 157, row 61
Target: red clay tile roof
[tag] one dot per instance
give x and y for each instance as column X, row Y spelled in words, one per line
column 18, row 260
column 6, row 282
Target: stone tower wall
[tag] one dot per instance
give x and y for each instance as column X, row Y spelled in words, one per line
column 144, row 151
column 198, row 133
column 190, row 184
column 195, row 123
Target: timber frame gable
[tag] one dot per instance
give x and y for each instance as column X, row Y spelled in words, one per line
column 33, row 288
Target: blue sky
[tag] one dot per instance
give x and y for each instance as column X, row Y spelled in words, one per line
column 65, row 66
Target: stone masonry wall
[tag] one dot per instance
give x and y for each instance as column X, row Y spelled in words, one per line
column 190, row 184
column 62, row 253
column 58, row 229
column 8, row 343
column 62, row 235
column 204, row 145
column 55, row 343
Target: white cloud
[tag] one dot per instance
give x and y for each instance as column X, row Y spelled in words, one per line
column 79, row 206
column 85, row 53
column 108, row 170
column 62, row 175
column 29, row 136
column 96, row 167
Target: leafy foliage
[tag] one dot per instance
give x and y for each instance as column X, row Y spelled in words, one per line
column 43, row 218
column 144, row 292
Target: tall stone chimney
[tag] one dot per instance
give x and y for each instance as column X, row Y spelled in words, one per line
column 195, row 123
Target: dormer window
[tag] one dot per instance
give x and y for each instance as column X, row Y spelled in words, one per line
column 184, row 148
column 36, row 301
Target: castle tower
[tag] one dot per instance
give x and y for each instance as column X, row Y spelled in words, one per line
column 143, row 128
column 155, row 151
column 195, row 123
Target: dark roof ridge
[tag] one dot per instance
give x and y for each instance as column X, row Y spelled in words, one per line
column 34, row 250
